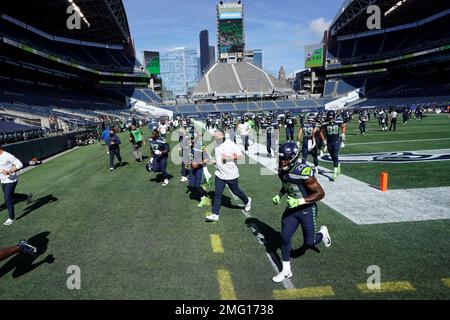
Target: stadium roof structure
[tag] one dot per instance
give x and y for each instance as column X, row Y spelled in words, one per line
column 240, row 79
column 352, row 17
column 105, row 21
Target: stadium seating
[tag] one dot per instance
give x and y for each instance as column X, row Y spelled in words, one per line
column 243, row 107
column 223, row 80
column 188, row 109
column 31, row 94
column 286, row 104
column 207, row 108
column 268, row 105
column 12, row 132
column 225, row 107
column 90, row 56
column 252, row 79
column 238, row 79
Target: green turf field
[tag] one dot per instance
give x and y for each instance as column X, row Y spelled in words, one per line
column 429, row 134
column 133, row 239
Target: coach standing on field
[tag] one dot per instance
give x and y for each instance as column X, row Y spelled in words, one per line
column 227, row 173
column 394, row 115
column 9, row 165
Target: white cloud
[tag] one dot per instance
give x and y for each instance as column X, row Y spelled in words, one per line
column 318, row 26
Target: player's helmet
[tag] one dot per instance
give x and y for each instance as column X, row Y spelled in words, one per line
column 288, row 151
column 331, row 115
column 311, row 118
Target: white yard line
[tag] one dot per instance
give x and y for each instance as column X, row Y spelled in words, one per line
column 393, row 141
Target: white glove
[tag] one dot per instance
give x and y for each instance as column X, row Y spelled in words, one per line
column 157, row 152
column 311, row 145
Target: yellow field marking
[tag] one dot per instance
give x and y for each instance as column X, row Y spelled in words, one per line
column 446, row 282
column 226, row 285
column 394, row 286
column 313, row 292
column 216, row 243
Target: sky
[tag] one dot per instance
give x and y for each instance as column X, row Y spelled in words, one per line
column 280, row 28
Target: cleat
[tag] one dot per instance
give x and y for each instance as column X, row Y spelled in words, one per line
column 205, row 202
column 326, row 236
column 8, row 222
column 212, row 218
column 283, row 275
column 184, row 179
column 248, row 206
column 165, row 183
column 27, row 248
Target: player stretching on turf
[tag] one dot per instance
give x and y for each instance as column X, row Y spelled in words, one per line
column 303, row 191
column 333, row 133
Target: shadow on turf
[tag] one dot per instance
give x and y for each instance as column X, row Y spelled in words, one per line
column 272, row 241
column 124, row 164
column 326, row 174
column 38, row 204
column 18, row 198
column 24, row 263
column 159, row 178
column 272, row 238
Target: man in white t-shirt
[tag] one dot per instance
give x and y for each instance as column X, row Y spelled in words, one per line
column 163, row 127
column 9, row 165
column 227, row 174
column 393, row 125
column 244, row 128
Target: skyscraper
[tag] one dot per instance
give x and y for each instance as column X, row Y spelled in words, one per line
column 230, row 30
column 179, row 70
column 258, row 57
column 212, row 54
column 204, row 50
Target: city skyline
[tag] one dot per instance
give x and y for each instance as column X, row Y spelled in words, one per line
column 281, row 34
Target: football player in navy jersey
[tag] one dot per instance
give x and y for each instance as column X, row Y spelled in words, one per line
column 289, row 122
column 302, row 191
column 307, row 137
column 199, row 160
column 160, row 152
column 333, row 134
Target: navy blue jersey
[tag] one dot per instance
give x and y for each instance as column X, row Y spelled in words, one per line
column 363, row 118
column 308, row 129
column 113, row 142
column 160, row 145
column 293, row 182
column 289, row 122
column 332, row 129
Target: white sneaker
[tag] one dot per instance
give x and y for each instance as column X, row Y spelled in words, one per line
column 283, row 275
column 326, row 236
column 248, row 206
column 184, row 179
column 212, row 218
column 8, row 222
column 111, row 169
column 165, row 183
